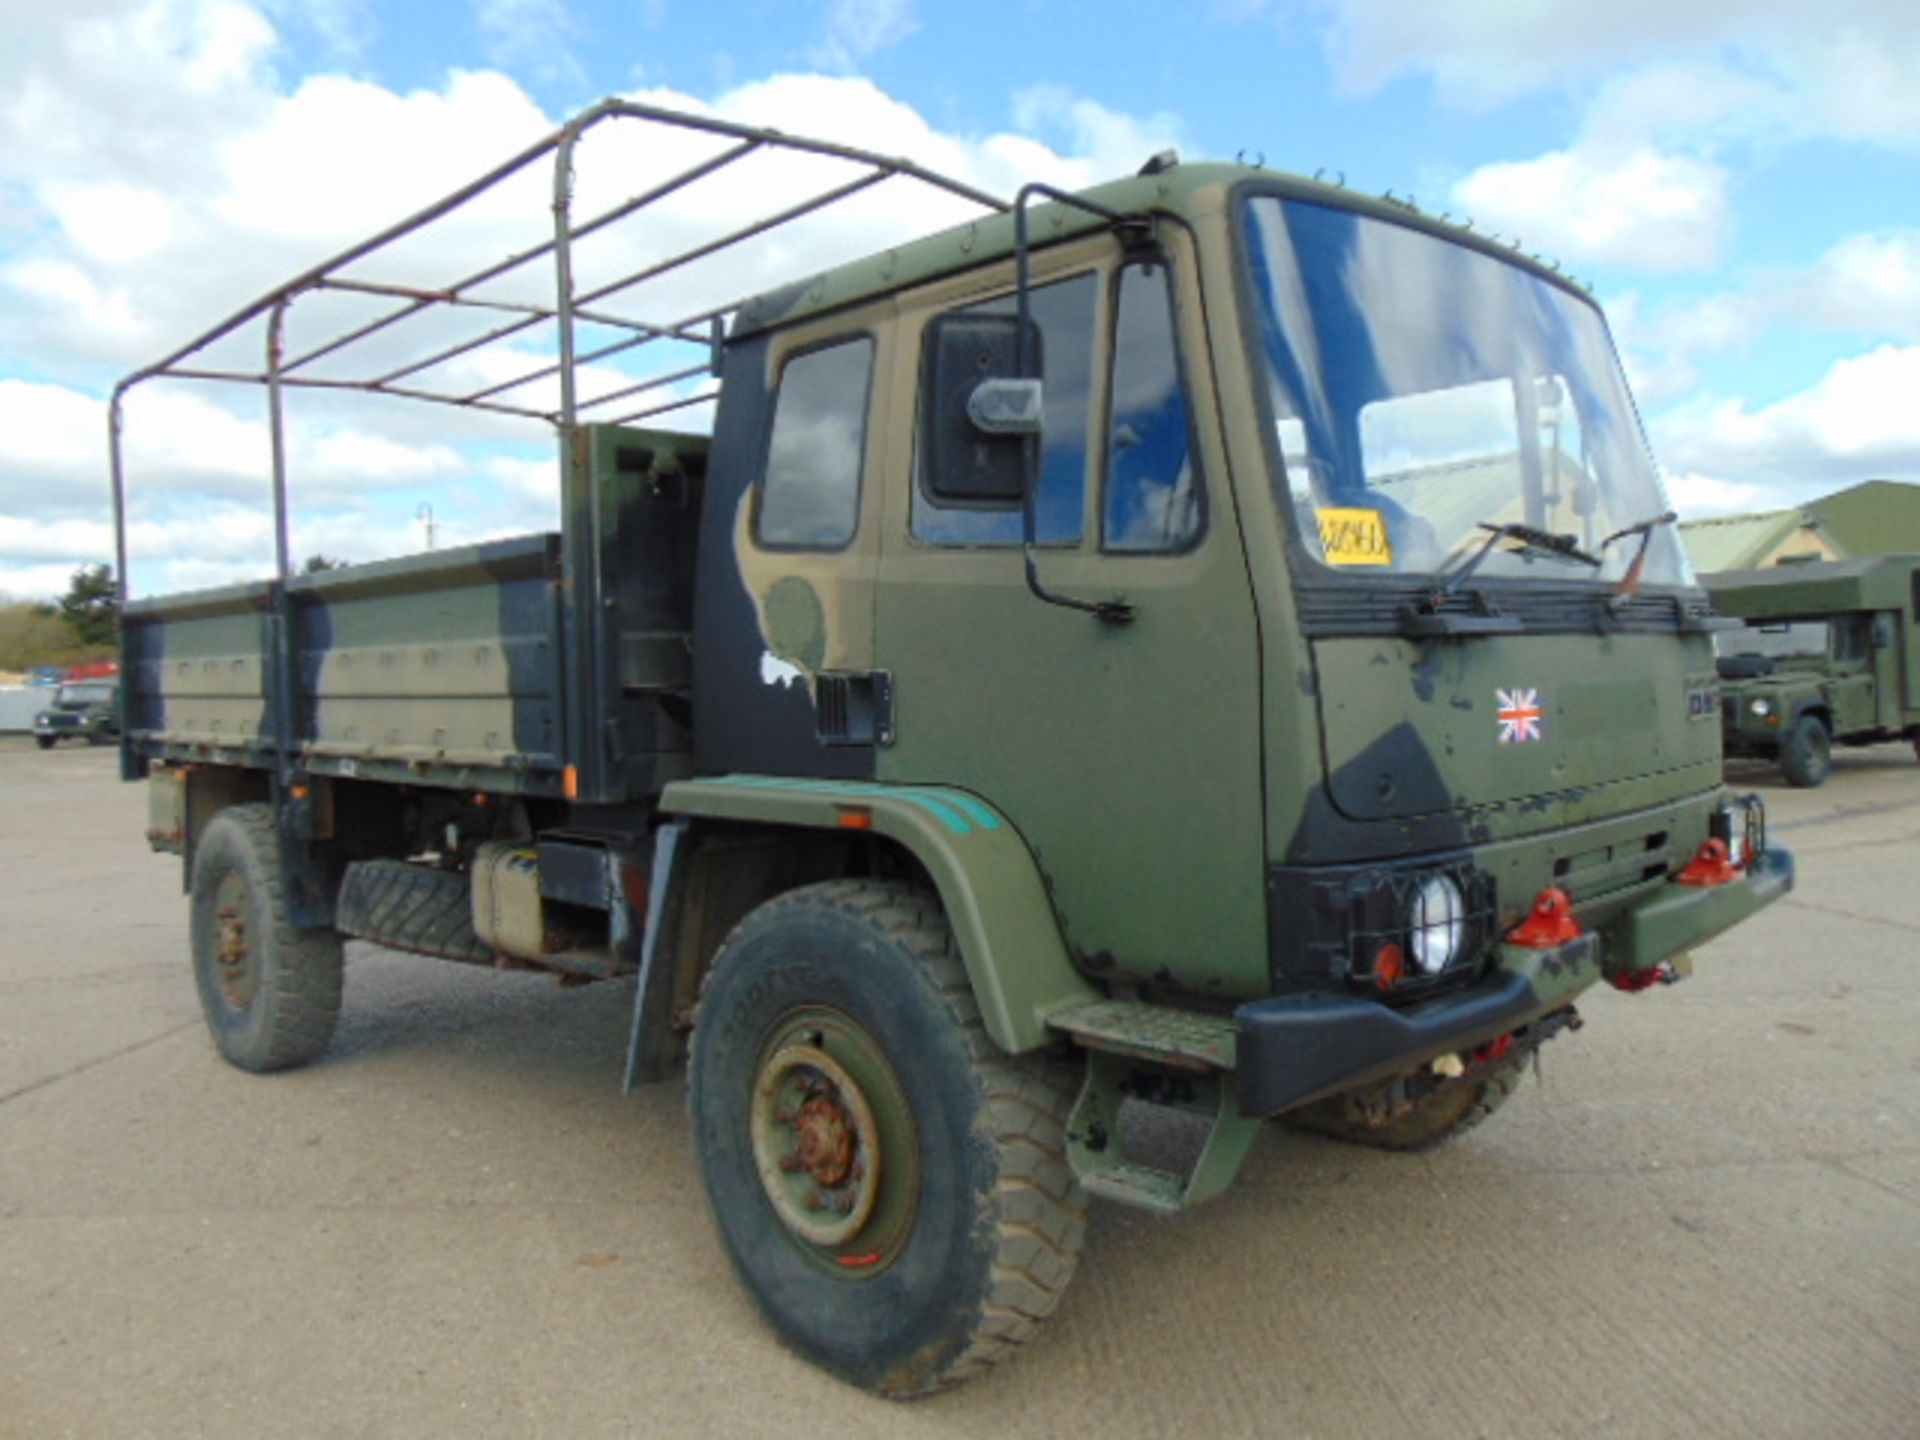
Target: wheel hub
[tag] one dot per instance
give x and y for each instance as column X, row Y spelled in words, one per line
column 233, row 955
column 835, row 1142
column 816, row 1143
column 826, row 1140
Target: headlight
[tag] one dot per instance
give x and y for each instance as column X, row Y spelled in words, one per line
column 1761, row 707
column 1436, row 924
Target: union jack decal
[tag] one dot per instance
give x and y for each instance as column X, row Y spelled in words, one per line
column 1519, row 715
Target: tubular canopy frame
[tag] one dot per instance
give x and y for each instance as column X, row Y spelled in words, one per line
column 419, row 306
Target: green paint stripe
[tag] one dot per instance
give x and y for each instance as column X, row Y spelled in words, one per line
column 980, row 814
column 936, row 807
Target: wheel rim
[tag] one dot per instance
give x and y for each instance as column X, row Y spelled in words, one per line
column 235, row 972
column 834, row 1142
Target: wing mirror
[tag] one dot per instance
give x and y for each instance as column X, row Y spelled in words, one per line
column 977, row 412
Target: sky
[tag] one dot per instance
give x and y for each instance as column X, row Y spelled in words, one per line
column 1737, row 181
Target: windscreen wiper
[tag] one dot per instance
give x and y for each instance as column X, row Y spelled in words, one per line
column 1629, row 585
column 1566, row 546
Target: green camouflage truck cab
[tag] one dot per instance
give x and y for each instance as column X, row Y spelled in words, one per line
column 1829, row 655
column 1215, row 641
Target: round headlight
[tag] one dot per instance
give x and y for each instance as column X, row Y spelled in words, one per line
column 1436, row 924
column 1761, row 707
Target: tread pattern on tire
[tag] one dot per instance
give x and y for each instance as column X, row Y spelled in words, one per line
column 411, row 907
column 1039, row 1208
column 307, row 980
column 1806, row 755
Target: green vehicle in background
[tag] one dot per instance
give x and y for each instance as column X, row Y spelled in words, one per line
column 1212, row 642
column 1829, row 655
column 82, row 710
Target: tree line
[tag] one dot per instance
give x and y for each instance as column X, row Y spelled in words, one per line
column 81, row 626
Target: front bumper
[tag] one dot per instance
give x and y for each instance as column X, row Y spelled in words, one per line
column 1292, row 1049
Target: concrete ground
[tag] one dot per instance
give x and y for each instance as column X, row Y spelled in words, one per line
column 1704, row 1220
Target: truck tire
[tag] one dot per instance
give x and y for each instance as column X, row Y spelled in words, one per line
column 892, row 1189
column 1451, row 1109
column 411, row 907
column 1806, row 755
column 46, row 742
column 270, row 993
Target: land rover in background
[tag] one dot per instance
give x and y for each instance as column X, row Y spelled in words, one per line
column 81, row 710
column 1215, row 641
column 1829, row 654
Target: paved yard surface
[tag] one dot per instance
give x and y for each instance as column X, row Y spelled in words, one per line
column 1704, row 1220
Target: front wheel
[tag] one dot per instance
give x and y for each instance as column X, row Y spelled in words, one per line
column 1806, row 755
column 893, row 1191
column 270, row 993
column 1413, row 1116
column 45, row 742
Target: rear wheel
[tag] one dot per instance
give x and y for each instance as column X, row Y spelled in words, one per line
column 270, row 993
column 1806, row 755
column 891, row 1188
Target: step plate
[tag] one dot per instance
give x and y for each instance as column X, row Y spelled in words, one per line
column 1185, row 1039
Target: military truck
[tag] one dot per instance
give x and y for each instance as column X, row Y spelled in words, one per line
column 1829, row 655
column 82, row 710
column 1212, row 642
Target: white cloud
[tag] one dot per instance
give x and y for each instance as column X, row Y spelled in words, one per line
column 1639, row 209
column 162, row 176
column 1858, row 422
column 1865, row 285
column 1802, row 68
column 536, row 35
column 1698, row 497
column 859, row 29
column 344, row 26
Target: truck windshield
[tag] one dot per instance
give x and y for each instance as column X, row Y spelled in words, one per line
column 79, row 697
column 1421, row 389
column 1777, row 639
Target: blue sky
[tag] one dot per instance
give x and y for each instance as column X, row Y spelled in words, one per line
column 1740, row 183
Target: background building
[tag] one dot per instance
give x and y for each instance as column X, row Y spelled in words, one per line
column 1875, row 517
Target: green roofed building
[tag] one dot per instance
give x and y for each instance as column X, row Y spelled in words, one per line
column 1875, row 517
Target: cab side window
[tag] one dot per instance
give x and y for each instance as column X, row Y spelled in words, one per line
column 810, row 497
column 1064, row 314
column 1153, row 494
column 1851, row 638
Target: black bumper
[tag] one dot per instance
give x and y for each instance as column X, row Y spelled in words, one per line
column 1292, row 1049
column 1295, row 1048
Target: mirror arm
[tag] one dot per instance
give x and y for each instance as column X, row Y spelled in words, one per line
column 1112, row 612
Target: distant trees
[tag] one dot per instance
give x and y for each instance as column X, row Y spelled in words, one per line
column 91, row 606
column 83, row 625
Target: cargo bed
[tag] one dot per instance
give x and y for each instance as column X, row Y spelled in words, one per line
column 444, row 668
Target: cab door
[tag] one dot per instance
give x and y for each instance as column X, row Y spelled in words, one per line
column 1852, row 685
column 784, row 680
column 1127, row 754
